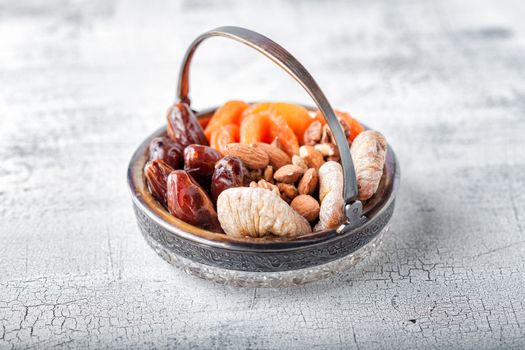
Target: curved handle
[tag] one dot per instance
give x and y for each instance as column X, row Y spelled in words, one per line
column 286, row 61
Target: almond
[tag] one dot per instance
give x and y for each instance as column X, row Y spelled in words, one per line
column 252, row 157
column 288, row 174
column 278, row 158
column 308, row 183
column 307, row 206
column 312, row 157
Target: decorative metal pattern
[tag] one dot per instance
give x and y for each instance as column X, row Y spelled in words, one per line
column 264, row 261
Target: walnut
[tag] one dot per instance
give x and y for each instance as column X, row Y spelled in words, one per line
column 368, row 154
column 313, row 133
column 296, row 160
column 255, row 212
column 312, row 157
column 288, row 191
column 266, row 185
column 327, row 149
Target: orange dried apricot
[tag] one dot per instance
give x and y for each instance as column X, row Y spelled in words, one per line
column 204, row 121
column 296, row 116
column 224, row 135
column 280, row 128
column 229, row 113
column 255, row 128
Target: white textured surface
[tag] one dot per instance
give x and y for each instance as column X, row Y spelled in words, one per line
column 82, row 83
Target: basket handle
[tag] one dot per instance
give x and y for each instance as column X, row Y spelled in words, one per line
column 275, row 52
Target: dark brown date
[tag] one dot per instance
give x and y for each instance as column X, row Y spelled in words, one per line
column 167, row 150
column 183, row 126
column 190, row 203
column 156, row 172
column 199, row 162
column 229, row 172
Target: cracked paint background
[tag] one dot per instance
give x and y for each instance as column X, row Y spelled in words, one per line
column 82, row 83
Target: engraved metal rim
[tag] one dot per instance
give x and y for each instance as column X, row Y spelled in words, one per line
column 267, row 246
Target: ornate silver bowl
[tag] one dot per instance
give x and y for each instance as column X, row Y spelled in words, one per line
column 261, row 262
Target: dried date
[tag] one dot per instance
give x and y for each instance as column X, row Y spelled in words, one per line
column 229, row 172
column 199, row 162
column 188, row 202
column 156, row 172
column 168, row 151
column 183, row 126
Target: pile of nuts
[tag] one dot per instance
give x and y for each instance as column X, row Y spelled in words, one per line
column 259, row 170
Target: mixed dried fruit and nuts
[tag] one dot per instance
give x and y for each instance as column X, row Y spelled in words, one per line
column 267, row 169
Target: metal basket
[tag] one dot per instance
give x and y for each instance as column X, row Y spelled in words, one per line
column 260, row 262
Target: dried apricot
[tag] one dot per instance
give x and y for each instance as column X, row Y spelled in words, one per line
column 229, row 113
column 296, row 116
column 255, row 128
column 280, row 128
column 224, row 135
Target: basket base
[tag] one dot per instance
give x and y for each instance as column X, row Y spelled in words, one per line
column 267, row 279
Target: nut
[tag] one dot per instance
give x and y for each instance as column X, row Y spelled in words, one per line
column 277, row 157
column 368, row 154
column 308, row 183
column 313, row 133
column 277, row 143
column 296, row 160
column 307, row 206
column 330, row 195
column 288, row 174
column 312, row 157
column 256, row 212
column 327, row 136
column 346, row 127
column 252, row 157
column 266, row 185
column 327, row 149
column 268, row 173
column 288, row 191
column 253, row 175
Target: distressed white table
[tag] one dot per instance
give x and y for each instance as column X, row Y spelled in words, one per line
column 81, row 84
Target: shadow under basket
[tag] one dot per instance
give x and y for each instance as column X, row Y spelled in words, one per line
column 276, row 262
